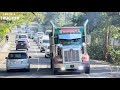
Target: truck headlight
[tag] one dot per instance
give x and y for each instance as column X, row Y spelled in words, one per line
column 63, row 69
column 80, row 67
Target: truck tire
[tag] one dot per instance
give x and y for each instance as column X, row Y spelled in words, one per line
column 51, row 61
column 55, row 72
column 28, row 70
column 87, row 70
column 8, row 70
column 41, row 50
column 46, row 56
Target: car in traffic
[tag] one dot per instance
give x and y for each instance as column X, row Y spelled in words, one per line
column 21, row 36
column 47, row 52
column 35, row 38
column 45, row 43
column 30, row 34
column 47, row 32
column 22, row 44
column 18, row 60
column 40, row 34
column 38, row 37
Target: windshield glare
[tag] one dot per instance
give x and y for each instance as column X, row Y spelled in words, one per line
column 70, row 42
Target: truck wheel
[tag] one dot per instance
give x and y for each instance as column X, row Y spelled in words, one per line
column 40, row 50
column 45, row 56
column 28, row 70
column 55, row 72
column 8, row 70
column 51, row 61
column 87, row 70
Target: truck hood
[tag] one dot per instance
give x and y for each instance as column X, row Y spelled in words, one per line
column 71, row 46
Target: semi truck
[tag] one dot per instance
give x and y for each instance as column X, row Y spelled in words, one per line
column 68, row 49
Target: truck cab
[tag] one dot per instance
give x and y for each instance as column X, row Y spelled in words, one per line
column 68, row 50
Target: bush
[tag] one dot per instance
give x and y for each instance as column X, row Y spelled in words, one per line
column 95, row 52
column 114, row 52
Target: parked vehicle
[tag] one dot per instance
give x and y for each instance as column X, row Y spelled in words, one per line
column 18, row 60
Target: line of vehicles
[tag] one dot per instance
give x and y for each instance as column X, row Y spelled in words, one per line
column 19, row 58
column 65, row 46
column 41, row 39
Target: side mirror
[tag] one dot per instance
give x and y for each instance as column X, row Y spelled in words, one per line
column 88, row 39
column 29, row 56
column 6, row 57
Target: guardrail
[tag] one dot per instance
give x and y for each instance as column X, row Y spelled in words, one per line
column 2, row 43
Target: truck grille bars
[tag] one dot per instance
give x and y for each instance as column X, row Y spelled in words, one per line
column 71, row 55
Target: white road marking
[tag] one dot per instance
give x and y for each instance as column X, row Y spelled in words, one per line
column 5, row 49
column 37, row 58
column 94, row 66
column 38, row 64
column 2, row 62
column 88, row 75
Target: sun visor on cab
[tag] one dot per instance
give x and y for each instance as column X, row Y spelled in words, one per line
column 69, row 36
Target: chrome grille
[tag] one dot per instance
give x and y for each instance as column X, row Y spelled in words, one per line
column 71, row 55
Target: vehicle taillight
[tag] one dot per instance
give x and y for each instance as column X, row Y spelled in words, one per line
column 17, row 43
column 85, row 59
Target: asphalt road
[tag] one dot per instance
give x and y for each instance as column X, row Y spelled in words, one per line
column 40, row 66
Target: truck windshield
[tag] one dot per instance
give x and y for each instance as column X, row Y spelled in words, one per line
column 70, row 41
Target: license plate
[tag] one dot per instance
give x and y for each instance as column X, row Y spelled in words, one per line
column 67, row 66
column 21, row 44
column 13, row 62
column 18, row 62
